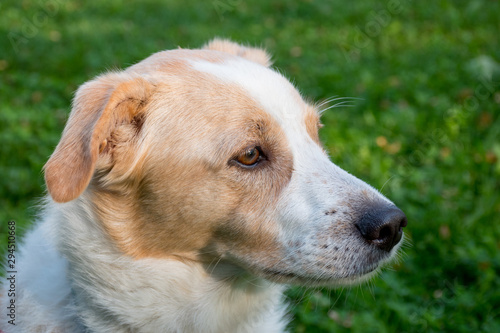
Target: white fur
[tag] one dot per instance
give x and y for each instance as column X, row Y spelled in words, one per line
column 148, row 295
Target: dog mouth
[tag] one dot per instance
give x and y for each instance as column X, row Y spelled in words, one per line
column 324, row 278
column 338, row 268
column 341, row 265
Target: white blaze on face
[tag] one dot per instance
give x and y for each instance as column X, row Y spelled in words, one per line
column 274, row 92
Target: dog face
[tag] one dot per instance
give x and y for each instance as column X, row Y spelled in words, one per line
column 209, row 155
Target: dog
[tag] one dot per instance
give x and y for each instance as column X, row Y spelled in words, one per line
column 185, row 193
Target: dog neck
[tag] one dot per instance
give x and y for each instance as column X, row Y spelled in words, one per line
column 163, row 295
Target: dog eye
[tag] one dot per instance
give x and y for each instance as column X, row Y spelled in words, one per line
column 250, row 157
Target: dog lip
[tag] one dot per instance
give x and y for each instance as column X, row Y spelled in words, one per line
column 283, row 275
column 370, row 269
column 290, row 278
column 280, row 273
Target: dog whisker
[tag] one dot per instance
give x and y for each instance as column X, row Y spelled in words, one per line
column 336, row 98
column 386, row 182
column 339, row 104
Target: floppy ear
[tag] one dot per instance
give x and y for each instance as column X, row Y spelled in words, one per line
column 251, row 53
column 98, row 107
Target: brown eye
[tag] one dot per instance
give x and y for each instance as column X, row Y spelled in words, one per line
column 250, row 156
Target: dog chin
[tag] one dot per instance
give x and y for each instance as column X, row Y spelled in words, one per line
column 323, row 279
column 358, row 279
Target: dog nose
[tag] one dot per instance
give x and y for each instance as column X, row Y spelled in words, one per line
column 382, row 226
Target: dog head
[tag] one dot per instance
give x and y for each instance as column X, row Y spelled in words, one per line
column 210, row 155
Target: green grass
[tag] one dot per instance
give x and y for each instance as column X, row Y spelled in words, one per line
column 426, row 131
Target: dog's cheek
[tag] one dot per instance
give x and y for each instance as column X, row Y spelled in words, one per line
column 251, row 235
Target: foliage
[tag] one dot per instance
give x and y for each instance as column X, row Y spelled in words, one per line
column 425, row 131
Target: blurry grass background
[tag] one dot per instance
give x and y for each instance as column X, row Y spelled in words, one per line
column 426, row 131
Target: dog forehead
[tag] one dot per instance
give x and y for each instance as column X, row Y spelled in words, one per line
column 269, row 89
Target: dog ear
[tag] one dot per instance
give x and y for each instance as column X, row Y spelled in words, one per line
column 254, row 54
column 98, row 107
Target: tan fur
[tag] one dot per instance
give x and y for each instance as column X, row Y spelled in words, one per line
column 153, row 173
column 99, row 106
column 251, row 53
column 312, row 123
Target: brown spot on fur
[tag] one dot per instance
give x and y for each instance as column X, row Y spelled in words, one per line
column 312, row 123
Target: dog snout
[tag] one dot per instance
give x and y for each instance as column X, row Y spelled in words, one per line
column 382, row 226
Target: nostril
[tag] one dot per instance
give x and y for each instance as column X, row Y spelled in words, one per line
column 385, row 232
column 382, row 226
